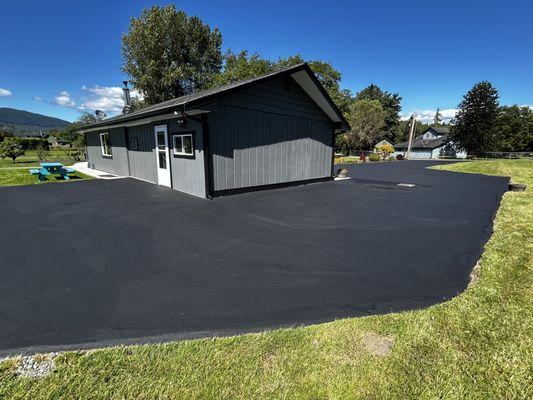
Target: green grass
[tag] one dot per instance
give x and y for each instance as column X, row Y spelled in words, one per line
column 18, row 177
column 347, row 160
column 17, row 174
column 477, row 346
column 30, row 159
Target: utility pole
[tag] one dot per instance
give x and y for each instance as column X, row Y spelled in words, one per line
column 411, row 131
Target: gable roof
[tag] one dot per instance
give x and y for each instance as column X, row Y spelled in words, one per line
column 383, row 141
column 440, row 130
column 31, row 135
column 301, row 73
column 420, row 143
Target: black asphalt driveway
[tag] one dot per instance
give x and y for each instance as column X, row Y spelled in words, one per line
column 94, row 263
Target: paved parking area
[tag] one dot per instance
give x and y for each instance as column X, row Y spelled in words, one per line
column 98, row 262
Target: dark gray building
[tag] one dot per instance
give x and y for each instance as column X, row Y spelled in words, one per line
column 272, row 130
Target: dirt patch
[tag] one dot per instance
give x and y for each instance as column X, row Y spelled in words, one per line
column 377, row 345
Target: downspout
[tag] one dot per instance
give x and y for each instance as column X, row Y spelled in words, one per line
column 208, row 160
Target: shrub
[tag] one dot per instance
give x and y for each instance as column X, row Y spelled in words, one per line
column 42, row 153
column 400, row 157
column 373, row 157
column 345, row 160
column 33, row 143
column 11, row 148
column 391, row 158
column 384, row 150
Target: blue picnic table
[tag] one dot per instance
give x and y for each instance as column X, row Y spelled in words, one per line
column 52, row 168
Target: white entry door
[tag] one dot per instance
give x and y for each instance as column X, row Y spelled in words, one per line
column 161, row 154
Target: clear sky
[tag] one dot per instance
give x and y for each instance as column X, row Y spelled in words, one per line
column 57, row 57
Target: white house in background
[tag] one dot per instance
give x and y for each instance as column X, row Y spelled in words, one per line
column 432, row 143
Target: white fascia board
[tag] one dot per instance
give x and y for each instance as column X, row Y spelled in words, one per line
column 142, row 121
column 309, row 86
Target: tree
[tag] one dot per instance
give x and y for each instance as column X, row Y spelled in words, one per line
column 240, row 66
column 85, row 118
column 475, row 123
column 515, row 129
column 390, row 102
column 437, row 120
column 167, row 54
column 4, row 135
column 385, row 150
column 400, row 133
column 11, row 148
column 366, row 119
column 42, row 152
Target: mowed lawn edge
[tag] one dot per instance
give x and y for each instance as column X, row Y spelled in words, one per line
column 478, row 345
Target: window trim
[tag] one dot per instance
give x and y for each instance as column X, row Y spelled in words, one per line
column 182, row 153
column 102, row 147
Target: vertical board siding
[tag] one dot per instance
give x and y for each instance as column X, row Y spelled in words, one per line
column 143, row 160
column 188, row 173
column 255, row 148
column 116, row 164
column 267, row 134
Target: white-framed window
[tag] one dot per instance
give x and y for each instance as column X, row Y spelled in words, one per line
column 105, row 144
column 183, row 145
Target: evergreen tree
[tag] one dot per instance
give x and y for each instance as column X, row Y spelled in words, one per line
column 437, row 120
column 476, row 120
column 515, row 129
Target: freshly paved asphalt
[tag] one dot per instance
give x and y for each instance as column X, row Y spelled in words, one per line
column 98, row 263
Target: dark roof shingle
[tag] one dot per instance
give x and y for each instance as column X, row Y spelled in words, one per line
column 420, row 143
column 205, row 95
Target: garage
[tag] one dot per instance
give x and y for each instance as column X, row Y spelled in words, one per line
column 274, row 130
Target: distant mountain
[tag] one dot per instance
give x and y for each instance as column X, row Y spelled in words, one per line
column 12, row 121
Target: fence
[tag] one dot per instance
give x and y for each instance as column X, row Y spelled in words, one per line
column 352, row 152
column 508, row 154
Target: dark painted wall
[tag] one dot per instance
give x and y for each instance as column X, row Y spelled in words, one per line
column 269, row 134
column 142, row 161
column 118, row 162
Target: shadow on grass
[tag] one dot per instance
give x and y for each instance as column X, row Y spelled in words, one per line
column 60, row 178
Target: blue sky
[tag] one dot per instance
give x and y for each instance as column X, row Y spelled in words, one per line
column 59, row 56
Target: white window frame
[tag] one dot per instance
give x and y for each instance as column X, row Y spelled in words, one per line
column 182, row 153
column 102, row 147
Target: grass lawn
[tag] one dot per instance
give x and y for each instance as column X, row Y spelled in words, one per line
column 347, row 160
column 16, row 174
column 476, row 346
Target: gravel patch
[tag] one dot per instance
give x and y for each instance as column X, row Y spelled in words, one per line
column 37, row 366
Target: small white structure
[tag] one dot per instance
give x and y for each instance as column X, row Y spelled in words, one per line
column 431, row 144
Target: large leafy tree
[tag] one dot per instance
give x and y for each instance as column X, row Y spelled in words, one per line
column 239, row 66
column 11, row 148
column 515, row 129
column 243, row 65
column 391, row 104
column 366, row 119
column 167, row 54
column 476, row 120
